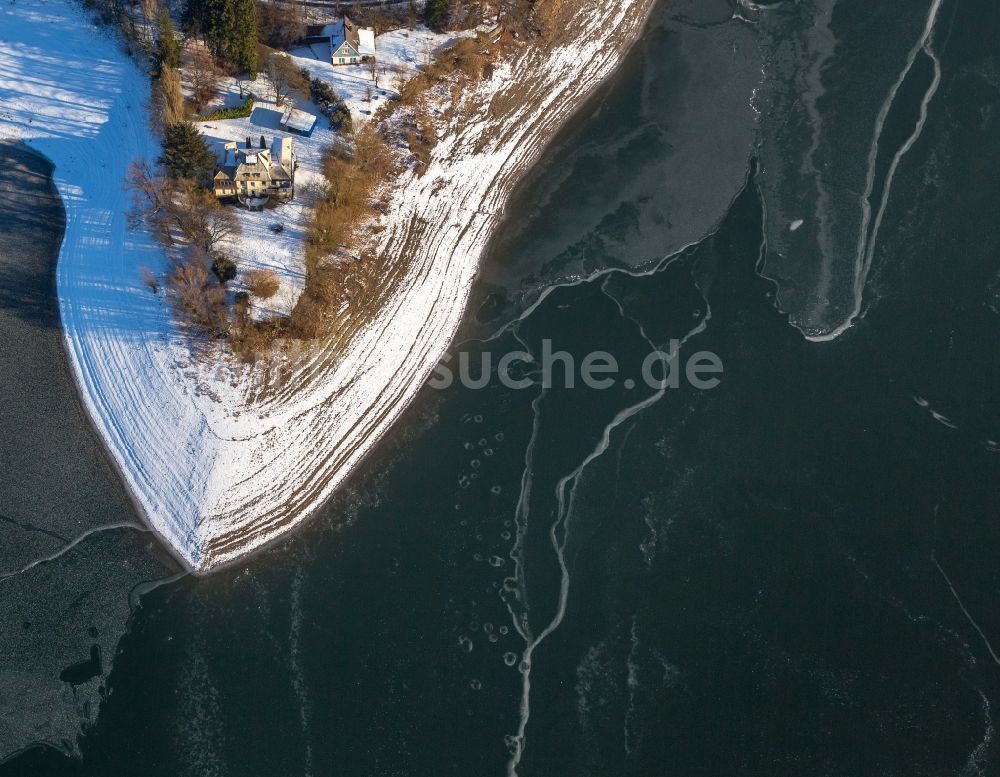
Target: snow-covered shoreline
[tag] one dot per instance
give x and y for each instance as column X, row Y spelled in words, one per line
column 218, row 467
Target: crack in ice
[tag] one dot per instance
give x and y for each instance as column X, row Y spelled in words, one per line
column 66, row 549
column 965, row 611
column 867, row 239
column 564, row 509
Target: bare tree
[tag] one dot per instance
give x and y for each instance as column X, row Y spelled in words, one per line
column 284, row 77
column 457, row 15
column 179, row 212
column 199, row 300
column 201, row 218
column 204, row 78
column 150, row 8
column 151, row 194
column 280, row 24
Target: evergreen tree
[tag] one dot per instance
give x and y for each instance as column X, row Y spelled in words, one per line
column 168, row 48
column 206, row 15
column 186, row 154
column 221, row 29
column 230, row 28
column 436, row 14
column 195, row 17
column 244, row 36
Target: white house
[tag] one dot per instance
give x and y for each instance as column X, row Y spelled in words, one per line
column 350, row 44
column 254, row 172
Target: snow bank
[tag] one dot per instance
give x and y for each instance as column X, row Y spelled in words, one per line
column 224, row 459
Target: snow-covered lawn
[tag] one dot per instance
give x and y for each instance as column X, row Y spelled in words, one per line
column 399, row 53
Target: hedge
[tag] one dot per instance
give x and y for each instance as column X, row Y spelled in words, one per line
column 328, row 102
column 237, row 112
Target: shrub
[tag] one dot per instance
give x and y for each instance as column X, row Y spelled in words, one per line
column 328, row 102
column 224, row 269
column 236, row 112
column 306, row 319
column 241, row 307
column 466, row 56
column 199, row 303
column 263, row 284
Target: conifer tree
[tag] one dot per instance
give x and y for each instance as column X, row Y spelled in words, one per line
column 186, row 154
column 230, row 28
column 168, row 48
column 244, row 36
column 222, row 31
column 436, row 14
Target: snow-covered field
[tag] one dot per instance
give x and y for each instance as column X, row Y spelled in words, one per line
column 218, row 467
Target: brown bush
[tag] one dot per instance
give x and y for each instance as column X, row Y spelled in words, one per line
column 552, row 16
column 200, row 302
column 466, row 57
column 307, row 317
column 371, row 154
column 421, row 137
column 168, row 100
column 253, row 340
column 262, row 284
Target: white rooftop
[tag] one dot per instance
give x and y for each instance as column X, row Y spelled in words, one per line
column 300, row 121
column 366, row 39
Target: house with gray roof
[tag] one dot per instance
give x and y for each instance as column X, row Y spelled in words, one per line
column 250, row 172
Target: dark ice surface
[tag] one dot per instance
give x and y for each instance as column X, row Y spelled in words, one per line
column 63, row 599
column 793, row 573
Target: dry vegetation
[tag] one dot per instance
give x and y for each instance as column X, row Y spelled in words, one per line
column 204, row 76
column 262, row 284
